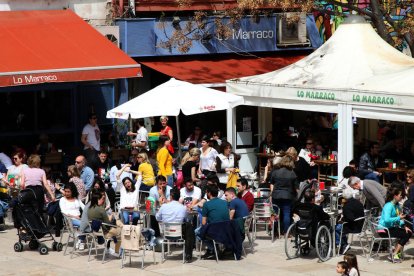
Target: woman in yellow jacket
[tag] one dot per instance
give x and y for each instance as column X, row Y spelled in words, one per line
column 164, row 160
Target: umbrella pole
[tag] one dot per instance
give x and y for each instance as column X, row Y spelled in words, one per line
column 178, row 138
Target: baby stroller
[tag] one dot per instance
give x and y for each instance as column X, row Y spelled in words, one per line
column 30, row 225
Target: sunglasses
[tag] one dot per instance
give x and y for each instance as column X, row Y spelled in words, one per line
column 409, row 176
column 309, row 143
column 94, row 118
column 78, row 162
column 15, row 158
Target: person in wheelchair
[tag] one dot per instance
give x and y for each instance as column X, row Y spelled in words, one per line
column 308, row 216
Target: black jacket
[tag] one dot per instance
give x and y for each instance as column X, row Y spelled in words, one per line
column 284, row 182
column 352, row 210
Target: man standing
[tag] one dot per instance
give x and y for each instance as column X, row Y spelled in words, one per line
column 237, row 207
column 369, row 162
column 103, row 166
column 373, row 193
column 91, row 138
column 141, row 139
column 172, row 211
column 160, row 192
column 190, row 195
column 87, row 174
column 244, row 193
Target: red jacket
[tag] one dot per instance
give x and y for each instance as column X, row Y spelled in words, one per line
column 248, row 198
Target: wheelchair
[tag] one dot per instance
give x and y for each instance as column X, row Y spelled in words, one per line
column 300, row 237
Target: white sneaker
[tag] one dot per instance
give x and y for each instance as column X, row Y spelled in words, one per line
column 82, row 246
column 112, row 252
column 78, row 244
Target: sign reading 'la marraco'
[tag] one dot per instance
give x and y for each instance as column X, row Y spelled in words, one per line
column 316, row 95
column 31, row 79
column 373, row 99
column 259, row 34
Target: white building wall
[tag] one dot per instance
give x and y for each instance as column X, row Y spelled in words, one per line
column 95, row 11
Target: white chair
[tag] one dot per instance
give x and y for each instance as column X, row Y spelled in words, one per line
column 172, row 234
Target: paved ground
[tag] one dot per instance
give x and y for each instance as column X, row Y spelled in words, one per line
column 268, row 259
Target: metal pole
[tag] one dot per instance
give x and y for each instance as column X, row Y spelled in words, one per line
column 178, row 138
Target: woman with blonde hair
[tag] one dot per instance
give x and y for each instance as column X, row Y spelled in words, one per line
column 74, row 177
column 302, row 168
column 189, row 164
column 145, row 172
column 34, row 178
column 282, row 187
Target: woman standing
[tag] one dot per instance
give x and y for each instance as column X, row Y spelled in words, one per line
column 164, row 160
column 74, row 177
column 189, row 165
column 34, row 178
column 282, row 187
column 14, row 173
column 226, row 163
column 392, row 218
column 207, row 165
column 167, row 131
column 129, row 201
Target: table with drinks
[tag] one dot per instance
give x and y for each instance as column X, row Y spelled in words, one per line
column 330, row 165
column 395, row 169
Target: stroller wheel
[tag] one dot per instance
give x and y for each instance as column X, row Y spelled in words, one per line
column 33, row 244
column 18, row 247
column 43, row 250
column 59, row 246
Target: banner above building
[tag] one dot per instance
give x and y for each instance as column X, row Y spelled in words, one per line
column 180, row 36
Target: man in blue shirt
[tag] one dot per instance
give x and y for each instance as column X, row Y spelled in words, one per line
column 172, row 211
column 160, row 192
column 237, row 206
column 87, row 174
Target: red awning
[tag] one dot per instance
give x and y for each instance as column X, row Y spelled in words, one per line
column 217, row 70
column 57, row 46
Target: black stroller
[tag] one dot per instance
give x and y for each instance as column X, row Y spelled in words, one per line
column 30, row 225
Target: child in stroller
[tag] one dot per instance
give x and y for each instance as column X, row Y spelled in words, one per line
column 30, row 225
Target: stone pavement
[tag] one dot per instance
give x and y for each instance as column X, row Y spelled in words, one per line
column 268, row 259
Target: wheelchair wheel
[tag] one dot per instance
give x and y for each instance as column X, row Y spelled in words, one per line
column 292, row 243
column 323, row 243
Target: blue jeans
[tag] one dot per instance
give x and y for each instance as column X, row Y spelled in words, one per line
column 76, row 223
column 208, row 243
column 373, row 176
column 144, row 187
column 344, row 240
column 170, row 180
column 285, row 206
column 125, row 217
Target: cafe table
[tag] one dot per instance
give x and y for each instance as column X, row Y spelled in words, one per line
column 398, row 171
column 330, row 166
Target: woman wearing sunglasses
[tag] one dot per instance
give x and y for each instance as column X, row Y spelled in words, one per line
column 14, row 173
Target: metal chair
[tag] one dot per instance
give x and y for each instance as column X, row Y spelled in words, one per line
column 74, row 233
column 247, row 224
column 133, row 241
column 262, row 213
column 375, row 229
column 172, row 234
column 96, row 233
column 360, row 234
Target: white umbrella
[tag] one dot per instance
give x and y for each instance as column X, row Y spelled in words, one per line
column 172, row 97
